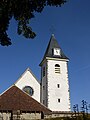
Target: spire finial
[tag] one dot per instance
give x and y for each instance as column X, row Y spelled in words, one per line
column 52, row 35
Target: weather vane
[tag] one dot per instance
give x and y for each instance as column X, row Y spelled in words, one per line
column 52, row 29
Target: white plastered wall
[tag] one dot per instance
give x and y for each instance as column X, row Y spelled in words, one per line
column 55, row 93
column 27, row 79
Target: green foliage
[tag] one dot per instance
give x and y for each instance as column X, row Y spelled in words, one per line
column 84, row 114
column 22, row 11
column 70, row 118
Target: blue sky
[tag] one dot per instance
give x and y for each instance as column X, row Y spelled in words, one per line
column 72, row 31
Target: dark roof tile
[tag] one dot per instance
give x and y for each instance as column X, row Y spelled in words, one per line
column 53, row 44
column 16, row 99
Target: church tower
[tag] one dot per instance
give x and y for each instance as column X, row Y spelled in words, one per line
column 54, row 78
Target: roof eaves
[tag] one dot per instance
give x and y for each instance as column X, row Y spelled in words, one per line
column 6, row 90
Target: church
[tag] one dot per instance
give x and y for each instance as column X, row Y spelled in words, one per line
column 50, row 95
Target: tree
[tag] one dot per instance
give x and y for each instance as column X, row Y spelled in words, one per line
column 22, row 11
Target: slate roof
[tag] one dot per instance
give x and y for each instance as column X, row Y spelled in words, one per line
column 53, row 44
column 16, row 99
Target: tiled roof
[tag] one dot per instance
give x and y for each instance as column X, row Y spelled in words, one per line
column 16, row 99
column 53, row 44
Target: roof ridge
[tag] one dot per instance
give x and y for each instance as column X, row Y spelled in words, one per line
column 28, row 69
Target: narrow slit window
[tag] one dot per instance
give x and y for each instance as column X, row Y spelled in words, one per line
column 43, row 71
column 43, row 101
column 43, row 87
column 59, row 100
column 58, row 85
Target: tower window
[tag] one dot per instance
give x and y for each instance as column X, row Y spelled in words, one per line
column 57, row 68
column 59, row 100
column 43, row 101
column 43, row 71
column 58, row 85
column 43, row 87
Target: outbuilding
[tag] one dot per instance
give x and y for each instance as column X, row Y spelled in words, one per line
column 18, row 105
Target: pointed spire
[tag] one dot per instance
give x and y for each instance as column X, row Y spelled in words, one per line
column 51, row 46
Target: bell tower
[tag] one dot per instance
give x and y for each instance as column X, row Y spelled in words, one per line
column 54, row 78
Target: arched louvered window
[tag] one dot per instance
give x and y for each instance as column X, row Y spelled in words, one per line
column 57, row 68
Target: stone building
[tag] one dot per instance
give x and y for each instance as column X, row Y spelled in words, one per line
column 30, row 99
column 54, row 78
column 16, row 104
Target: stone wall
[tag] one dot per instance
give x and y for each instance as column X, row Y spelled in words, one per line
column 21, row 116
column 58, row 114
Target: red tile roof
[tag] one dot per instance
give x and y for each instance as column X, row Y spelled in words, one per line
column 16, row 99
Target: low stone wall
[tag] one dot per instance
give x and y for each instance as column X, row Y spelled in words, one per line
column 31, row 116
column 58, row 114
column 21, row 116
column 24, row 115
column 5, row 116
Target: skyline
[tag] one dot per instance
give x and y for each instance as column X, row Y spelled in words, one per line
column 71, row 22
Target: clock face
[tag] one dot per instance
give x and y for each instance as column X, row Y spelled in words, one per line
column 28, row 90
column 56, row 51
